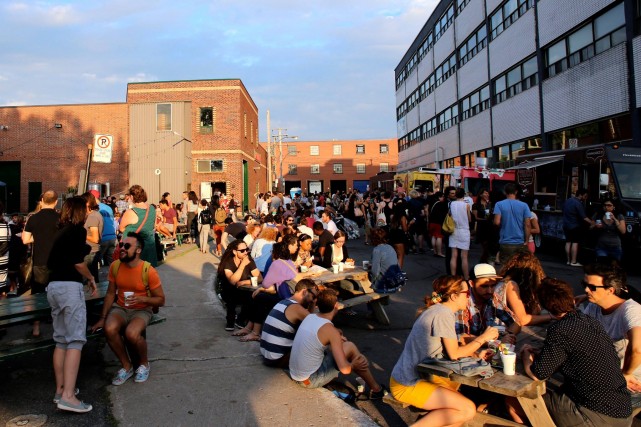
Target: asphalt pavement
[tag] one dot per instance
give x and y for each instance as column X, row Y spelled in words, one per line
column 201, row 376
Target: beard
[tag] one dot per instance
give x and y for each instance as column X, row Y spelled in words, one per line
column 125, row 257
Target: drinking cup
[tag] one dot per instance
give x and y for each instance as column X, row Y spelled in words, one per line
column 335, row 268
column 127, row 295
column 304, row 269
column 608, row 215
column 487, row 211
column 509, row 363
column 598, row 222
column 341, row 266
column 365, row 265
column 254, row 281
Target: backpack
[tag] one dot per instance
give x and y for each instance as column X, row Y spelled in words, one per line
column 391, row 281
column 115, row 266
column 205, row 217
column 220, row 216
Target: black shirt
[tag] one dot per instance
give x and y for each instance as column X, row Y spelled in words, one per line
column 235, row 228
column 43, row 226
column 438, row 212
column 578, row 346
column 324, row 239
column 69, row 248
column 231, row 266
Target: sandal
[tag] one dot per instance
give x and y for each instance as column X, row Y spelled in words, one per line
column 241, row 332
column 252, row 336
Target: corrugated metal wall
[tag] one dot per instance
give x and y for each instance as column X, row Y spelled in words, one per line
column 556, row 17
column 165, row 150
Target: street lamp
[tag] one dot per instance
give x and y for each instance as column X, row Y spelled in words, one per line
column 280, row 135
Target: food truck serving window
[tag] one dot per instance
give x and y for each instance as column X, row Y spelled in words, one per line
column 628, row 179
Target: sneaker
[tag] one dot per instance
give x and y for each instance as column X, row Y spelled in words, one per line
column 378, row 395
column 576, row 264
column 142, row 373
column 229, row 326
column 57, row 397
column 122, row 375
column 80, row 408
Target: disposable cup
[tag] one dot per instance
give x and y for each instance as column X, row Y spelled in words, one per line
column 335, row 268
column 127, row 295
column 304, row 269
column 365, row 265
column 254, row 281
column 509, row 363
column 341, row 266
column 500, row 328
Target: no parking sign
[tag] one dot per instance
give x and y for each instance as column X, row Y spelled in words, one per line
column 102, row 147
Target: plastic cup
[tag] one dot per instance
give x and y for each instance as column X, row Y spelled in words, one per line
column 254, row 281
column 365, row 265
column 341, row 266
column 509, row 363
column 608, row 215
column 335, row 268
column 127, row 295
column 304, row 269
column 487, row 211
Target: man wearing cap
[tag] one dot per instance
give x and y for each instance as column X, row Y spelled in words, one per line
column 482, row 309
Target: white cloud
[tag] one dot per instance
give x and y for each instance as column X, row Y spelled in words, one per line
column 44, row 14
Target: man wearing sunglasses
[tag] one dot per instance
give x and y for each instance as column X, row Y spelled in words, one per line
column 605, row 286
column 283, row 321
column 132, row 313
column 483, row 310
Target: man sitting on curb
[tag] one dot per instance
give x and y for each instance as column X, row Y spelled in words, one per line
column 130, row 274
column 320, row 352
column 283, row 321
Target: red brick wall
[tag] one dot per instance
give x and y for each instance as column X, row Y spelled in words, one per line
column 55, row 156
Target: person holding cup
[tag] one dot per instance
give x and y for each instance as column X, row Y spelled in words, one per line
column 594, row 390
column 434, row 335
column 609, row 227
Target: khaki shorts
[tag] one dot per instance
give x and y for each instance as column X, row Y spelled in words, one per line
column 130, row 314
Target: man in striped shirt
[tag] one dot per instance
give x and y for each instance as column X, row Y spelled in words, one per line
column 283, row 321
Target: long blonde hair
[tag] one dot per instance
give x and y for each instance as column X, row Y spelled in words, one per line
column 268, row 233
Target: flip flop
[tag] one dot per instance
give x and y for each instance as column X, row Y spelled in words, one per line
column 252, row 336
column 241, row 333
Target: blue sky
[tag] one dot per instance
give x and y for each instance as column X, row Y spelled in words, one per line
column 324, row 69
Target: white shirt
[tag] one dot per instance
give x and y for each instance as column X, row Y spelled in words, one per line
column 306, row 230
column 330, row 226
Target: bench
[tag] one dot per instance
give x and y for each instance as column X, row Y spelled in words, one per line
column 180, row 237
column 374, row 300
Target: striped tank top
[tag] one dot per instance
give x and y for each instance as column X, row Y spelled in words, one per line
column 278, row 332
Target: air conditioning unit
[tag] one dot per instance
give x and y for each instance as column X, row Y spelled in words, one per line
column 481, row 162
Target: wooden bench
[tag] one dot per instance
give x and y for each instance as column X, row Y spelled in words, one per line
column 376, row 301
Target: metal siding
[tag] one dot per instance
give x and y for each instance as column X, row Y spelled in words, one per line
column 473, row 74
column 412, row 81
column 419, row 155
column 427, row 108
column 517, row 118
column 444, row 46
column 589, row 91
column 469, row 19
column 513, row 44
column 556, row 17
column 491, row 5
column 476, row 133
column 426, row 66
column 446, row 94
column 151, row 150
column 400, row 94
column 448, row 140
column 412, row 119
column 636, row 47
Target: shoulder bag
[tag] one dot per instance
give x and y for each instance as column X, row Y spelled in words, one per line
column 448, row 224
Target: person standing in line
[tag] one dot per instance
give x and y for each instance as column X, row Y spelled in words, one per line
column 513, row 218
column 192, row 210
column 40, row 230
column 574, row 219
column 66, row 297
column 481, row 212
column 94, row 224
column 459, row 241
column 610, row 226
column 141, row 218
column 450, row 196
column 108, row 237
column 204, row 220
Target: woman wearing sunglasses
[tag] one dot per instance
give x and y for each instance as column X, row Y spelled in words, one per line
column 609, row 226
column 434, row 335
column 235, row 271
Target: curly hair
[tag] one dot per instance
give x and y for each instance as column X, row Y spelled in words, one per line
column 443, row 288
column 556, row 296
column 138, row 194
column 269, row 233
column 526, row 271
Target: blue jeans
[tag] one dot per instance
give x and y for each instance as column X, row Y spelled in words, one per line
column 614, row 253
column 324, row 374
column 106, row 251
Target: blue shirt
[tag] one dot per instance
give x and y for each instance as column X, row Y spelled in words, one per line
column 108, row 228
column 573, row 213
column 513, row 214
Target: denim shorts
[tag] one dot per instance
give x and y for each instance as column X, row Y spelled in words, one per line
column 69, row 313
column 324, row 374
column 128, row 314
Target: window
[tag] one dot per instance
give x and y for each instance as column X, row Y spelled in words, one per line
column 338, row 168
column 448, row 118
column 384, row 167
column 460, row 5
column 445, row 70
column 520, row 78
column 163, row 117
column 582, row 44
column 245, row 124
column 338, row 150
column 314, row 169
column 383, row 148
column 251, row 130
column 210, row 166
column 473, row 45
column 475, row 102
column 444, row 23
column 360, row 168
column 428, row 128
column 360, row 149
column 291, row 150
column 314, row 150
column 206, row 120
column 507, row 14
column 293, row 169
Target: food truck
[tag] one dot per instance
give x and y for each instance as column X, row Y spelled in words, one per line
column 423, row 178
column 473, row 179
column 605, row 170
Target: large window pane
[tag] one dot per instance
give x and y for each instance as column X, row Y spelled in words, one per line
column 529, row 67
column 474, row 99
column 466, row 104
column 482, row 33
column 609, row 22
column 580, row 39
column 556, row 52
column 499, row 85
column 463, row 51
column 510, row 7
column 163, row 117
column 513, row 77
column 485, row 93
column 496, row 19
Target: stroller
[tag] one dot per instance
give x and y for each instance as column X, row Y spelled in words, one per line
column 348, row 226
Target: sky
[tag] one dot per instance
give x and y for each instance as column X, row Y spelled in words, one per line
column 324, row 69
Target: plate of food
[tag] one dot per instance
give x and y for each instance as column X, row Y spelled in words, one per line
column 349, row 263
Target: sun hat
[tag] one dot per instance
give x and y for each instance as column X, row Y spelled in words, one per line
column 485, row 271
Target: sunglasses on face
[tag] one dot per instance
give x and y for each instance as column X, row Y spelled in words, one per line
column 242, row 250
column 126, row 246
column 591, row 287
column 608, row 205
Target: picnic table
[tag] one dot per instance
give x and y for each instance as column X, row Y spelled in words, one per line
column 364, row 296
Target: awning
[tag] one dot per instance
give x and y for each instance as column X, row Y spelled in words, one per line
column 537, row 162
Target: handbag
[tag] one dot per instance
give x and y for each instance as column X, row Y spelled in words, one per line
column 116, row 253
column 448, row 225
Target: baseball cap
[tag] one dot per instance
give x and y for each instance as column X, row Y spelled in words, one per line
column 485, row 271
column 95, row 193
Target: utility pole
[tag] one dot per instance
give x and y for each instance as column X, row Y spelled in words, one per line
column 269, row 153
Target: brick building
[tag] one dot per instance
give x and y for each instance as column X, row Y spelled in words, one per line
column 317, row 166
column 168, row 136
